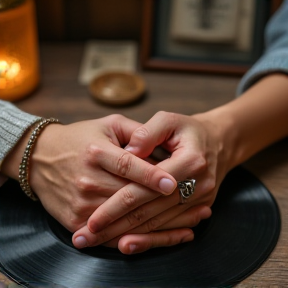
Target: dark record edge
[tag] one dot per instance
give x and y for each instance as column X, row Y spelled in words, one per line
column 273, row 243
column 16, row 279
column 231, row 283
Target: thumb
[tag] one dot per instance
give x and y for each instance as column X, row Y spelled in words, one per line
column 141, row 142
column 147, row 137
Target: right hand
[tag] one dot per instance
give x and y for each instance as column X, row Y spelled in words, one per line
column 197, row 151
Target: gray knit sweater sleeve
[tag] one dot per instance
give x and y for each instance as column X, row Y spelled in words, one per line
column 275, row 57
column 13, row 124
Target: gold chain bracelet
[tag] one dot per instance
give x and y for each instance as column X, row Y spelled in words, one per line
column 24, row 165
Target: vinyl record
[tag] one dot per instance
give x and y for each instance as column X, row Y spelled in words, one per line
column 243, row 230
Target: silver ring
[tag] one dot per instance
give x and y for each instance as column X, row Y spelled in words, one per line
column 186, row 189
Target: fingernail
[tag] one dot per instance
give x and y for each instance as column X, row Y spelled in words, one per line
column 132, row 248
column 129, row 148
column 166, row 185
column 80, row 242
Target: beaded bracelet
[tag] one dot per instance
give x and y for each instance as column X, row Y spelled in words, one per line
column 24, row 165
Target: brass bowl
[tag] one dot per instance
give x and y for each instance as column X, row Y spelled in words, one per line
column 117, row 88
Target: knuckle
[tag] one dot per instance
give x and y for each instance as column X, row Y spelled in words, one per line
column 193, row 220
column 155, row 242
column 135, row 217
column 170, row 241
column 115, row 118
column 152, row 224
column 149, row 172
column 102, row 237
column 162, row 114
column 169, row 117
column 78, row 207
column 93, row 151
column 83, row 185
column 197, row 163
column 210, row 184
column 201, row 163
column 123, row 164
column 141, row 132
column 128, row 199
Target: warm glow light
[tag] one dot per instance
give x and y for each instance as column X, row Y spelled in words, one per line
column 19, row 63
column 8, row 73
column 13, row 71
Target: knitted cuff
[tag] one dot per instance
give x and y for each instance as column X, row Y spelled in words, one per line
column 13, row 124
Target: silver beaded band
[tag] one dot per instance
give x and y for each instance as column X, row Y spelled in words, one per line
column 24, row 165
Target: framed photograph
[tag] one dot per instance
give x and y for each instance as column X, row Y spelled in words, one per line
column 216, row 36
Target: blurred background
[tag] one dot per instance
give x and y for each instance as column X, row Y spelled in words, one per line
column 63, row 29
column 75, row 20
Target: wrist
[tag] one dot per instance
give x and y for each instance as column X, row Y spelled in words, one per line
column 251, row 122
column 24, row 167
column 222, row 127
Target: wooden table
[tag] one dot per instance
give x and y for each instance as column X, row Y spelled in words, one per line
column 61, row 96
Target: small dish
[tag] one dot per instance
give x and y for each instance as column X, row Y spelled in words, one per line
column 117, row 88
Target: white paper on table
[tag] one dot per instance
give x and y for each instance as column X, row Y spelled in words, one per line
column 103, row 56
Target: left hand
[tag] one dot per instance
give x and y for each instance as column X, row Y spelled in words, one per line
column 197, row 151
column 75, row 168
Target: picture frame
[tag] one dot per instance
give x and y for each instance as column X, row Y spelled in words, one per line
column 167, row 43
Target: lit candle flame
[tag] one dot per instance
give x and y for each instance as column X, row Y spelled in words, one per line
column 8, row 73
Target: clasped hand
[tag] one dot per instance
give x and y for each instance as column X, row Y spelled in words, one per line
column 112, row 196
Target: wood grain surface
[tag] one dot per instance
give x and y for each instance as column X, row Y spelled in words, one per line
column 61, row 96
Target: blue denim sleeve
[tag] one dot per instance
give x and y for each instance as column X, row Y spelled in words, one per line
column 275, row 56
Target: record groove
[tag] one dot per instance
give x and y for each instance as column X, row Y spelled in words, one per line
column 37, row 251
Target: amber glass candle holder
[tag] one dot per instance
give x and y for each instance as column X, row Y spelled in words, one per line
column 19, row 57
